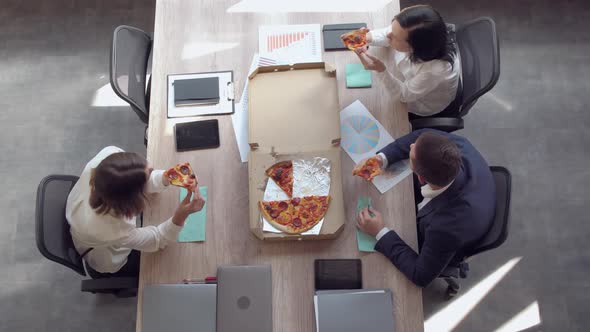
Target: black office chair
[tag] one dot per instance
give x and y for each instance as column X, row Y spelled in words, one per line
column 130, row 53
column 478, row 46
column 52, row 232
column 495, row 236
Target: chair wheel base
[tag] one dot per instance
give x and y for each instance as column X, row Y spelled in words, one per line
column 451, row 293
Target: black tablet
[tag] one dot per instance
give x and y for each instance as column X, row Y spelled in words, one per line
column 338, row 274
column 197, row 135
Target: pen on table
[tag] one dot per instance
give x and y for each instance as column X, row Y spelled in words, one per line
column 208, row 280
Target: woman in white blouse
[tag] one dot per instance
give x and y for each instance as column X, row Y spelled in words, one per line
column 426, row 68
column 102, row 207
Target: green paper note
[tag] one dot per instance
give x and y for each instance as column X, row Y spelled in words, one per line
column 357, row 76
column 194, row 227
column 365, row 242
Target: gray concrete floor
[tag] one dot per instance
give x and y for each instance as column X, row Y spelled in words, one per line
column 54, row 56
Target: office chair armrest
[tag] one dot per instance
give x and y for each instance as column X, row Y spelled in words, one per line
column 109, row 285
column 445, row 124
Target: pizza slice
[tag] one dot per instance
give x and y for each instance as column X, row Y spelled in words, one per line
column 278, row 213
column 355, row 39
column 369, row 170
column 182, row 175
column 282, row 175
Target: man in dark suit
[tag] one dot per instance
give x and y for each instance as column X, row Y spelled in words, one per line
column 455, row 209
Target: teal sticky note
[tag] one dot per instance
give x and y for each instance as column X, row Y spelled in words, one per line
column 357, row 76
column 194, row 227
column 365, row 242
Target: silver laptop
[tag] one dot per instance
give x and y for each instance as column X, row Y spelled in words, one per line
column 367, row 310
column 179, row 308
column 244, row 298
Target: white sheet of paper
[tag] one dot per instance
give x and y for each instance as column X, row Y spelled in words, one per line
column 288, row 44
column 240, row 117
column 363, row 136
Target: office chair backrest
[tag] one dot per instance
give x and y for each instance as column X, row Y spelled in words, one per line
column 499, row 230
column 52, row 230
column 130, row 53
column 478, row 45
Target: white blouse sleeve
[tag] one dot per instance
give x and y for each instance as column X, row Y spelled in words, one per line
column 379, row 37
column 412, row 89
column 151, row 238
column 154, row 184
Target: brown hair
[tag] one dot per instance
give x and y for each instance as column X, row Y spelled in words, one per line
column 437, row 159
column 118, row 185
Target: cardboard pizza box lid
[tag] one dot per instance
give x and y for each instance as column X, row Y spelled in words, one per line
column 293, row 106
column 294, row 114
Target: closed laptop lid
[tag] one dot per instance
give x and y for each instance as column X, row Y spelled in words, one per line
column 244, row 298
column 179, row 308
column 367, row 310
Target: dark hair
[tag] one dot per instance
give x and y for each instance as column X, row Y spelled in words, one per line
column 437, row 159
column 427, row 34
column 118, row 185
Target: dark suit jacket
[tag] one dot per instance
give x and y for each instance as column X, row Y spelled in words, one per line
column 450, row 223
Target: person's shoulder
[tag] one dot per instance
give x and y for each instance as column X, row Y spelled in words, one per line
column 110, row 150
column 105, row 152
column 438, row 66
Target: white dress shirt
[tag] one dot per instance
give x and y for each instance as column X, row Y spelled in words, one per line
column 112, row 238
column 425, row 87
column 427, row 192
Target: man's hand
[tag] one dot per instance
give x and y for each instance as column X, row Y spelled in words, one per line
column 188, row 206
column 370, row 221
column 369, row 62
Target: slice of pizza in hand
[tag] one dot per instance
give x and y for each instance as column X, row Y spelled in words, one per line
column 355, row 39
column 182, row 175
column 282, row 175
column 369, row 170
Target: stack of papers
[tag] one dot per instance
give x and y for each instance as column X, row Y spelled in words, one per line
column 367, row 310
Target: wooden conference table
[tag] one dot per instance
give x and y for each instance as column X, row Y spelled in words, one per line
column 200, row 36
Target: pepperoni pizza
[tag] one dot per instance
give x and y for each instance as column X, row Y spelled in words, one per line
column 296, row 215
column 369, row 170
column 355, row 39
column 182, row 175
column 282, row 175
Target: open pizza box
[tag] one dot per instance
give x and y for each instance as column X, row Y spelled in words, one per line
column 294, row 114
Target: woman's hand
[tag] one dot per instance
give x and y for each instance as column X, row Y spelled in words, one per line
column 369, row 62
column 188, row 206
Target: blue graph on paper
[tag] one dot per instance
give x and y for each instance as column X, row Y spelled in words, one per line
column 360, row 134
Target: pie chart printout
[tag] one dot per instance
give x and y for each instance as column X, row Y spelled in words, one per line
column 360, row 134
